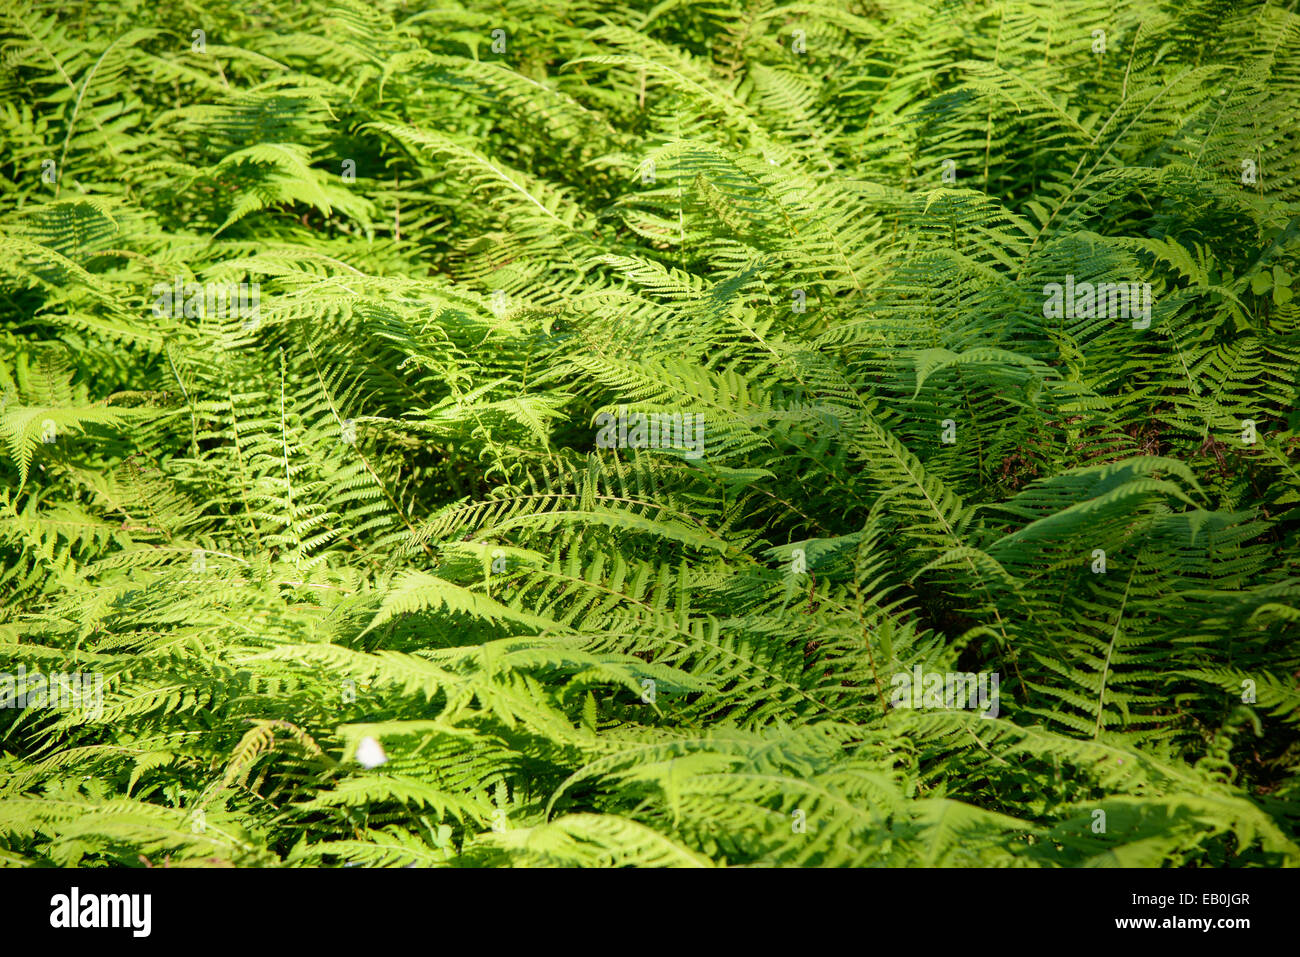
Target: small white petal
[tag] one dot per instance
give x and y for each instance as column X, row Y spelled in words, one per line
column 370, row 754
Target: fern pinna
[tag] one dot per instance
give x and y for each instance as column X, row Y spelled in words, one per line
column 714, row 434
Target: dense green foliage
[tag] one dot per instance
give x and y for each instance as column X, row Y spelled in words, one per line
column 379, row 510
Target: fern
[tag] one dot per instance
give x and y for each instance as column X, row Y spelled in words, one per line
column 361, row 582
